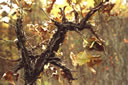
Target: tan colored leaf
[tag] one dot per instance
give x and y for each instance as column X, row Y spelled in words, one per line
column 92, row 70
column 73, row 58
column 125, row 40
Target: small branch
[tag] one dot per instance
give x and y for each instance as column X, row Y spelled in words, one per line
column 19, row 66
column 45, row 13
column 63, row 14
column 10, row 60
column 76, row 16
column 21, row 40
column 81, row 11
column 65, row 70
column 10, row 41
column 89, row 14
column 54, row 59
column 94, row 33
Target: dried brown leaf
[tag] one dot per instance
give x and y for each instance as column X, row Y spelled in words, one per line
column 50, row 6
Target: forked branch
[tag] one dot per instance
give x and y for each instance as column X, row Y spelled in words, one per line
column 33, row 69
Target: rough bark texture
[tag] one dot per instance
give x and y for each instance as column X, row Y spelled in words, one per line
column 34, row 65
column 112, row 71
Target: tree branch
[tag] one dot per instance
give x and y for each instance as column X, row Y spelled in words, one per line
column 89, row 14
column 65, row 70
column 33, row 69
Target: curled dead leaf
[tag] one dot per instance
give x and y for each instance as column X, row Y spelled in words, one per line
column 94, row 61
column 94, row 44
column 107, row 8
column 10, row 77
column 125, row 40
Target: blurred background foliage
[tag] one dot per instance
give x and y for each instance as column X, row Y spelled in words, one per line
column 110, row 23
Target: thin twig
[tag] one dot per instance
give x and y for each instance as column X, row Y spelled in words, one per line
column 17, row 60
column 10, row 41
column 45, row 13
column 94, row 33
column 63, row 14
column 89, row 14
column 81, row 11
